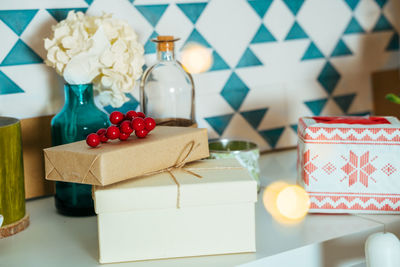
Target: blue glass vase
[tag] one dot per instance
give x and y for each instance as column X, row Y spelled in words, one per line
column 78, row 118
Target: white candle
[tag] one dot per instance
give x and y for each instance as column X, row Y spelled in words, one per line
column 382, row 250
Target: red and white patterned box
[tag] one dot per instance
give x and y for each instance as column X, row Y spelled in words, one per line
column 350, row 164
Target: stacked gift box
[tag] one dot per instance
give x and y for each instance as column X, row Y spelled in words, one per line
column 156, row 198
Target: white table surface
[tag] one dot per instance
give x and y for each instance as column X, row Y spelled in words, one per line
column 320, row 240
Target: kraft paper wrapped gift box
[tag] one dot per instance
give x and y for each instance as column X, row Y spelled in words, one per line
column 350, row 164
column 139, row 219
column 118, row 160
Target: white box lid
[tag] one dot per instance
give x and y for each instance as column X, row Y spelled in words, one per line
column 223, row 181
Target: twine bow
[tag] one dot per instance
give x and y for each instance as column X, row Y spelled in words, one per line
column 179, row 165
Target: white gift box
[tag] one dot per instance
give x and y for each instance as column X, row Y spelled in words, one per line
column 208, row 210
column 350, row 164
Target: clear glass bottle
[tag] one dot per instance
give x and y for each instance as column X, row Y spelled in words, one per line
column 166, row 89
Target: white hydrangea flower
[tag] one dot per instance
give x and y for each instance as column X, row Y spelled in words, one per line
column 97, row 49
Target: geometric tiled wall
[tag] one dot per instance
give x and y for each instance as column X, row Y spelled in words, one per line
column 274, row 60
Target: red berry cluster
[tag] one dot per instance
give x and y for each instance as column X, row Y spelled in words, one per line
column 124, row 126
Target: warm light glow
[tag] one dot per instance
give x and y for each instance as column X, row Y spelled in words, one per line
column 288, row 204
column 293, row 202
column 196, row 58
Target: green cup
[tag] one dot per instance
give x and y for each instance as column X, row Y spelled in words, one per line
column 247, row 153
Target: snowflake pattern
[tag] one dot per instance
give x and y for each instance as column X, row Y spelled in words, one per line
column 388, row 169
column 329, row 168
column 359, row 169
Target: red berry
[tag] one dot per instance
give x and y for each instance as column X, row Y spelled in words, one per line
column 123, row 136
column 116, row 117
column 140, row 114
column 138, row 124
column 112, row 132
column 149, row 123
column 101, row 131
column 93, row 140
column 141, row 133
column 130, row 115
column 103, row 138
column 125, row 127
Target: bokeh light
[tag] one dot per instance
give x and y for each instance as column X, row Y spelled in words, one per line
column 288, row 204
column 196, row 58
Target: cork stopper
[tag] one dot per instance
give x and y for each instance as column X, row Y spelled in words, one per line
column 165, row 42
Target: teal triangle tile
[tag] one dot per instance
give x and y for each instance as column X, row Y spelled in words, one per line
column 344, row 101
column 60, row 14
column 316, row 106
column 329, row 77
column 132, row 104
column 152, row 13
column 271, row 136
column 219, row 123
column 382, row 24
column 20, row 54
column 196, row 37
column 263, row 35
column 393, row 44
column 150, row 47
column 260, row 6
column 218, row 62
column 294, row 5
column 312, row 52
column 7, row 86
column 381, row 3
column 294, row 127
column 192, row 10
column 296, row 32
column 353, row 27
column 234, row 91
column 89, row 2
column 249, row 59
column 254, row 117
column 17, row 20
column 341, row 49
column 352, row 3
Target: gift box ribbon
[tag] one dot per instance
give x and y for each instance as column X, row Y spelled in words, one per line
column 180, row 165
column 352, row 120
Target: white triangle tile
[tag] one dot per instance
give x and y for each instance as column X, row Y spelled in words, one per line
column 210, row 82
column 324, row 22
column 123, row 9
column 232, row 31
column 361, row 85
column 391, row 11
column 240, row 129
column 269, row 95
column 297, row 93
column 174, row 22
column 43, row 91
column 274, row 98
column 282, row 62
column 367, row 13
column 8, row 40
column 368, row 53
column 331, row 108
column 287, row 139
column 302, row 90
column 212, row 105
column 24, row 4
column 37, row 31
column 279, row 19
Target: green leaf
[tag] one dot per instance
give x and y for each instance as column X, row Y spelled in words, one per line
column 393, row 98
